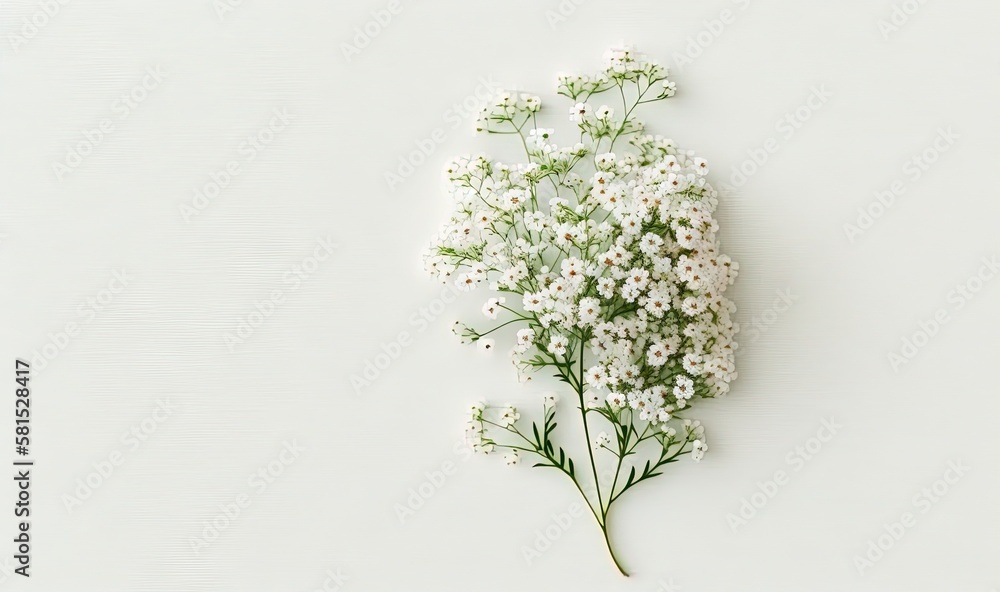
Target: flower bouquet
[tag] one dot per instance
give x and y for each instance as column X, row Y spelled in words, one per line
column 601, row 257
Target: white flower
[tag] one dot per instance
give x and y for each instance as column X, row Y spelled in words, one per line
column 531, row 103
column 657, row 355
column 692, row 306
column 605, row 161
column 612, row 260
column 509, row 416
column 684, row 388
column 536, row 221
column 638, row 278
column 650, row 243
column 698, row 449
column 549, row 399
column 606, row 287
column 590, row 310
column 692, row 364
column 700, row 166
column 597, row 377
column 533, row 302
column 694, row 429
column 514, row 200
column 511, row 458
column 602, row 440
column 539, row 136
column 616, row 400
column 572, row 269
column 525, row 337
column 579, row 112
column 466, row 282
column 492, row 307
column 557, row 345
column 511, row 276
column 656, row 303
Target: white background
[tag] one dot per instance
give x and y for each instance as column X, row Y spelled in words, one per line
column 335, row 507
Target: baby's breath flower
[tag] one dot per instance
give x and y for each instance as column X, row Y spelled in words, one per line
column 509, row 416
column 557, row 345
column 549, row 399
column 492, row 307
column 607, row 250
column 698, row 449
column 684, row 388
column 580, row 112
column 597, row 376
column 484, row 446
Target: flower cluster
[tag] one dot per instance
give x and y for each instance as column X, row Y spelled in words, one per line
column 603, row 252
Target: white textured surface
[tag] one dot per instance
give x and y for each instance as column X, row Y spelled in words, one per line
column 192, row 283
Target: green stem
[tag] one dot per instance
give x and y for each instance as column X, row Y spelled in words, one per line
column 586, row 432
column 602, row 519
column 611, row 549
